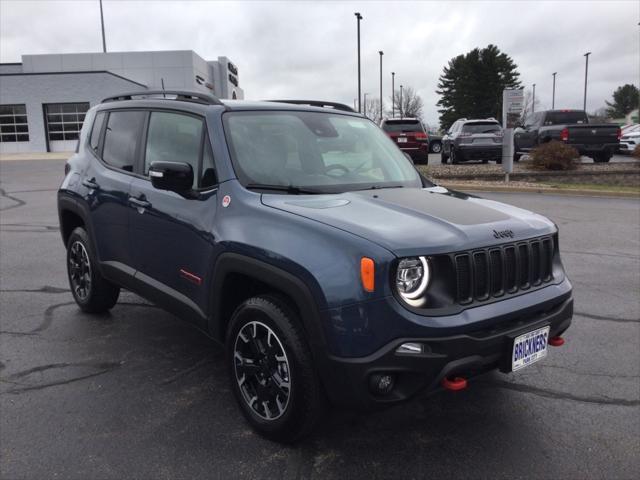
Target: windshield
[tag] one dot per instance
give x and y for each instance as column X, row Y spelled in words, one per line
column 402, row 126
column 481, row 127
column 565, row 118
column 314, row 152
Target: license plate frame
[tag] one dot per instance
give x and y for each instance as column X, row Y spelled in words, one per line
column 529, row 353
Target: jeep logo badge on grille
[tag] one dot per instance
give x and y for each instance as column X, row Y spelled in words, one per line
column 503, row 234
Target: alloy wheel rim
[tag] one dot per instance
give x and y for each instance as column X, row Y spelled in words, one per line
column 80, row 270
column 436, row 148
column 262, row 370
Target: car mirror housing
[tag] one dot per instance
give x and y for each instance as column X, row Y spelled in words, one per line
column 173, row 176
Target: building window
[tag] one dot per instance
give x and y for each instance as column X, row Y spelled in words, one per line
column 64, row 120
column 13, row 123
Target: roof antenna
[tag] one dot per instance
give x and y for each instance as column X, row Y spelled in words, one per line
column 162, row 82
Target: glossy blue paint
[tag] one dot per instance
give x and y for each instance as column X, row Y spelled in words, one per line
column 316, row 239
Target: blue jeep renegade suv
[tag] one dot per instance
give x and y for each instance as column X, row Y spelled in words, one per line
column 300, row 237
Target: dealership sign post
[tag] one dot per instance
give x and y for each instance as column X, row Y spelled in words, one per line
column 512, row 106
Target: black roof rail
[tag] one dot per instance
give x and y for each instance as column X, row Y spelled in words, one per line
column 317, row 103
column 183, row 96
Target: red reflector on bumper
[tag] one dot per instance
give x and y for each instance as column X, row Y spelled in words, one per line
column 454, row 384
column 556, row 341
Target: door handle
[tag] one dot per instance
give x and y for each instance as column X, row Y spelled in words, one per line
column 91, row 184
column 139, row 203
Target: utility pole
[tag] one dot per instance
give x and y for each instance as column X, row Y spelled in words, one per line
column 400, row 102
column 553, row 97
column 359, row 17
column 586, row 70
column 533, row 102
column 104, row 41
column 381, row 53
column 393, row 95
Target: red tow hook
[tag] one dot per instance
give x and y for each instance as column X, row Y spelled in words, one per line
column 556, row 341
column 454, row 384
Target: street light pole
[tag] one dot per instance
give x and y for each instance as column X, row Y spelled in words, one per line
column 400, row 102
column 381, row 53
column 393, row 94
column 104, row 42
column 359, row 17
column 553, row 97
column 533, row 102
column 586, row 70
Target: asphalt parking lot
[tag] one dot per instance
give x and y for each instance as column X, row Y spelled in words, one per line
column 138, row 394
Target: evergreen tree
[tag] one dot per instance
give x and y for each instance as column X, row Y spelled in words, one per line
column 625, row 100
column 471, row 85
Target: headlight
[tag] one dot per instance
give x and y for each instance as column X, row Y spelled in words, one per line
column 412, row 277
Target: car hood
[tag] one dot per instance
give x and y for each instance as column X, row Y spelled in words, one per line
column 412, row 221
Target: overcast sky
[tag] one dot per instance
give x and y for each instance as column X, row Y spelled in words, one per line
column 308, row 50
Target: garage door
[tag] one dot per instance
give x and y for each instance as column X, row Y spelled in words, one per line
column 63, row 123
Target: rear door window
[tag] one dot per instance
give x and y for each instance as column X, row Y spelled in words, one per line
column 401, row 126
column 121, row 139
column 96, row 130
column 563, row 118
column 481, row 127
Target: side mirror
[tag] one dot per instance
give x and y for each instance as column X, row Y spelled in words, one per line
column 173, row 176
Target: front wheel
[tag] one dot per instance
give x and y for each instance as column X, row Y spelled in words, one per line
column 91, row 291
column 436, row 147
column 271, row 371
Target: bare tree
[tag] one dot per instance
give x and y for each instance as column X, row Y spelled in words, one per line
column 601, row 115
column 411, row 104
column 372, row 109
column 528, row 105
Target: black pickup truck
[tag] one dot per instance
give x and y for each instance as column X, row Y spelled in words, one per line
column 572, row 127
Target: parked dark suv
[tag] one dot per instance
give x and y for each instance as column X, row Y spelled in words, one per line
column 302, row 239
column 410, row 136
column 473, row 140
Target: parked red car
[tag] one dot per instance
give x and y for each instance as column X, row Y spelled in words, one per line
column 410, row 135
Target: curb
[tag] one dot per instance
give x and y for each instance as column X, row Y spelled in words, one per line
column 548, row 191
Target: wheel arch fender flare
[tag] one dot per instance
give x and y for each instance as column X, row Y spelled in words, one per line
column 66, row 203
column 292, row 286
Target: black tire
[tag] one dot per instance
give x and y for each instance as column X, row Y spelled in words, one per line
column 516, row 157
column 602, row 158
column 443, row 157
column 305, row 401
column 485, row 160
column 452, row 159
column 436, row 147
column 91, row 291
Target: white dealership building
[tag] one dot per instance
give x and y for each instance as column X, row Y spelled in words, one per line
column 43, row 99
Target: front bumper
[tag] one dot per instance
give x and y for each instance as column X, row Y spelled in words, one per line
column 628, row 146
column 479, row 350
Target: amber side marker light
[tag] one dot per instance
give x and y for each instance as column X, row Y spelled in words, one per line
column 367, row 271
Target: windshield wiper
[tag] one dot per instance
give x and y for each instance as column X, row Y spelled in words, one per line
column 377, row 187
column 293, row 189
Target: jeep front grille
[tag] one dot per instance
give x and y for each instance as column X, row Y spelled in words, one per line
column 492, row 272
